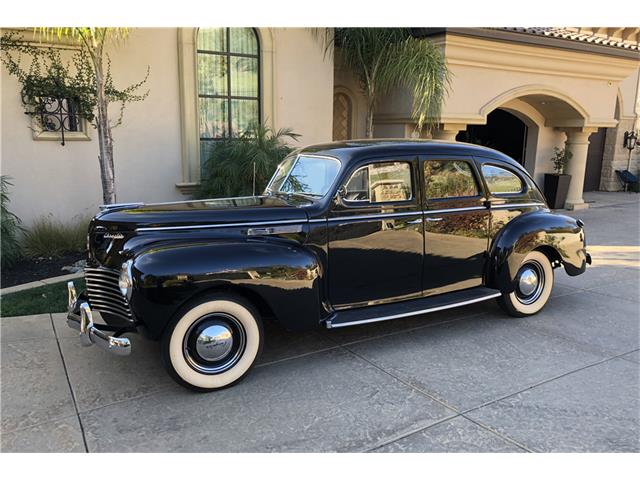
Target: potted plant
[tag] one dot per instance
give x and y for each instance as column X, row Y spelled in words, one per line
column 556, row 185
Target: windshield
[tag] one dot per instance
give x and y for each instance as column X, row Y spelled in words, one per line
column 304, row 175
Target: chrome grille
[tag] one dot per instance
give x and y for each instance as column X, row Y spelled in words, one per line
column 104, row 293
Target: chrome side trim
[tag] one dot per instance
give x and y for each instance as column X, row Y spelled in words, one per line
column 274, row 230
column 218, row 225
column 416, row 312
column 517, row 205
column 454, row 210
column 369, row 217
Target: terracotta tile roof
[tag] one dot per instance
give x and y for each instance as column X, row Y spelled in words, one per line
column 619, row 37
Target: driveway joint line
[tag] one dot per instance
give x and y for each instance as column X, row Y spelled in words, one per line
column 39, row 424
column 543, row 382
column 501, row 435
column 628, row 359
column 124, row 400
column 595, row 290
column 430, row 396
column 73, row 395
column 465, row 412
column 392, row 439
column 594, row 349
column 295, row 357
column 404, row 382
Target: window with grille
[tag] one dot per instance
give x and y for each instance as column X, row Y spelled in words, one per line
column 342, row 117
column 228, row 82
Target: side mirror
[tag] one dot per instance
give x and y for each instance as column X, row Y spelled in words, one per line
column 341, row 193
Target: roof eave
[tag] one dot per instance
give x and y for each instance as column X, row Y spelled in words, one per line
column 531, row 39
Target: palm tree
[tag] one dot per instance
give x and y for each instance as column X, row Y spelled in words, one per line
column 384, row 58
column 94, row 40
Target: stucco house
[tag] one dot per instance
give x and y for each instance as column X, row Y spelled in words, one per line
column 520, row 90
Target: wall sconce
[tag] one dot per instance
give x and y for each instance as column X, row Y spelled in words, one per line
column 630, row 140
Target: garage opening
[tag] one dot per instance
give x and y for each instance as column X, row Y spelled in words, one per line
column 503, row 132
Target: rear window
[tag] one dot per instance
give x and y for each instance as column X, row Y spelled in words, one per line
column 500, row 180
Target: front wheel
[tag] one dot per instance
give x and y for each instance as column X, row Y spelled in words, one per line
column 213, row 343
column 534, row 282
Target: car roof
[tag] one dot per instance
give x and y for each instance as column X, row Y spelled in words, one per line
column 354, row 150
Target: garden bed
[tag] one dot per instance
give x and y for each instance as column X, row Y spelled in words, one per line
column 30, row 269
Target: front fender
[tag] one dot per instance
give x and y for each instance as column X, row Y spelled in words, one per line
column 282, row 273
column 558, row 235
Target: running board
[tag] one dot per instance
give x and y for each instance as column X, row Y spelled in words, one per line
column 408, row 308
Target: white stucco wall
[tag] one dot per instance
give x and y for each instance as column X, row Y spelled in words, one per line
column 303, row 85
column 64, row 181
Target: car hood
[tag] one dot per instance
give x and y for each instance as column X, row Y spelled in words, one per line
column 265, row 208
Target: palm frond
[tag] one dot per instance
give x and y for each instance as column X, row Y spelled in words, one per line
column 385, row 58
column 419, row 66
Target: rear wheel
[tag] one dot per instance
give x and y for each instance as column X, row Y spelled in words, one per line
column 534, row 282
column 213, row 343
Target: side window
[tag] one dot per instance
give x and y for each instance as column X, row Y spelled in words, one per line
column 380, row 182
column 449, row 178
column 500, row 180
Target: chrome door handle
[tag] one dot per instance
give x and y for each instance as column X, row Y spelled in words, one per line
column 434, row 219
column 415, row 222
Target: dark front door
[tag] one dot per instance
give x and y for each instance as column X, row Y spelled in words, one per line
column 456, row 225
column 375, row 236
column 594, row 160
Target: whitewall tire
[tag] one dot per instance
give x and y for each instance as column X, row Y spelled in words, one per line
column 213, row 342
column 534, row 282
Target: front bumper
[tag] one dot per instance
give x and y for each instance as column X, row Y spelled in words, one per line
column 79, row 318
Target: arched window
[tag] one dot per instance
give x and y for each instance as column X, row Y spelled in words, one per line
column 342, row 116
column 228, row 82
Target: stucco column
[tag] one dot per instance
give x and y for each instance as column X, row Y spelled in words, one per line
column 578, row 144
column 448, row 131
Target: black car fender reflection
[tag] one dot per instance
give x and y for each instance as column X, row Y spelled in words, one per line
column 285, row 275
column 559, row 236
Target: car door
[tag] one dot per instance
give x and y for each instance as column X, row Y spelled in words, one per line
column 456, row 229
column 375, row 235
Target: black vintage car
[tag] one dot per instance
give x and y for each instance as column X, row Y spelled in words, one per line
column 344, row 234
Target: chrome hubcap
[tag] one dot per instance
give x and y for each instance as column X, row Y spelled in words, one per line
column 531, row 282
column 528, row 281
column 214, row 343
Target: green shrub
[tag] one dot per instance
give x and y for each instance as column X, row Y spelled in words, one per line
column 10, row 228
column 230, row 169
column 560, row 159
column 48, row 237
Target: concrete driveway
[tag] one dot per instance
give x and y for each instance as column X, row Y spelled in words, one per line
column 465, row 380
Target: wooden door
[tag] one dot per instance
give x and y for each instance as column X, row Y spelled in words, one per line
column 594, row 160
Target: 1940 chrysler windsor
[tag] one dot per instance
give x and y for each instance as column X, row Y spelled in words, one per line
column 344, row 234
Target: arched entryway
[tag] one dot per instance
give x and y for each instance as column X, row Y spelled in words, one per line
column 527, row 123
column 503, row 132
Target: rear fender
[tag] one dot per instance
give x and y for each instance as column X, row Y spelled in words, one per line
column 538, row 230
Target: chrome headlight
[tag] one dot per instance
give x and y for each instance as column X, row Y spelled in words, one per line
column 125, row 282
